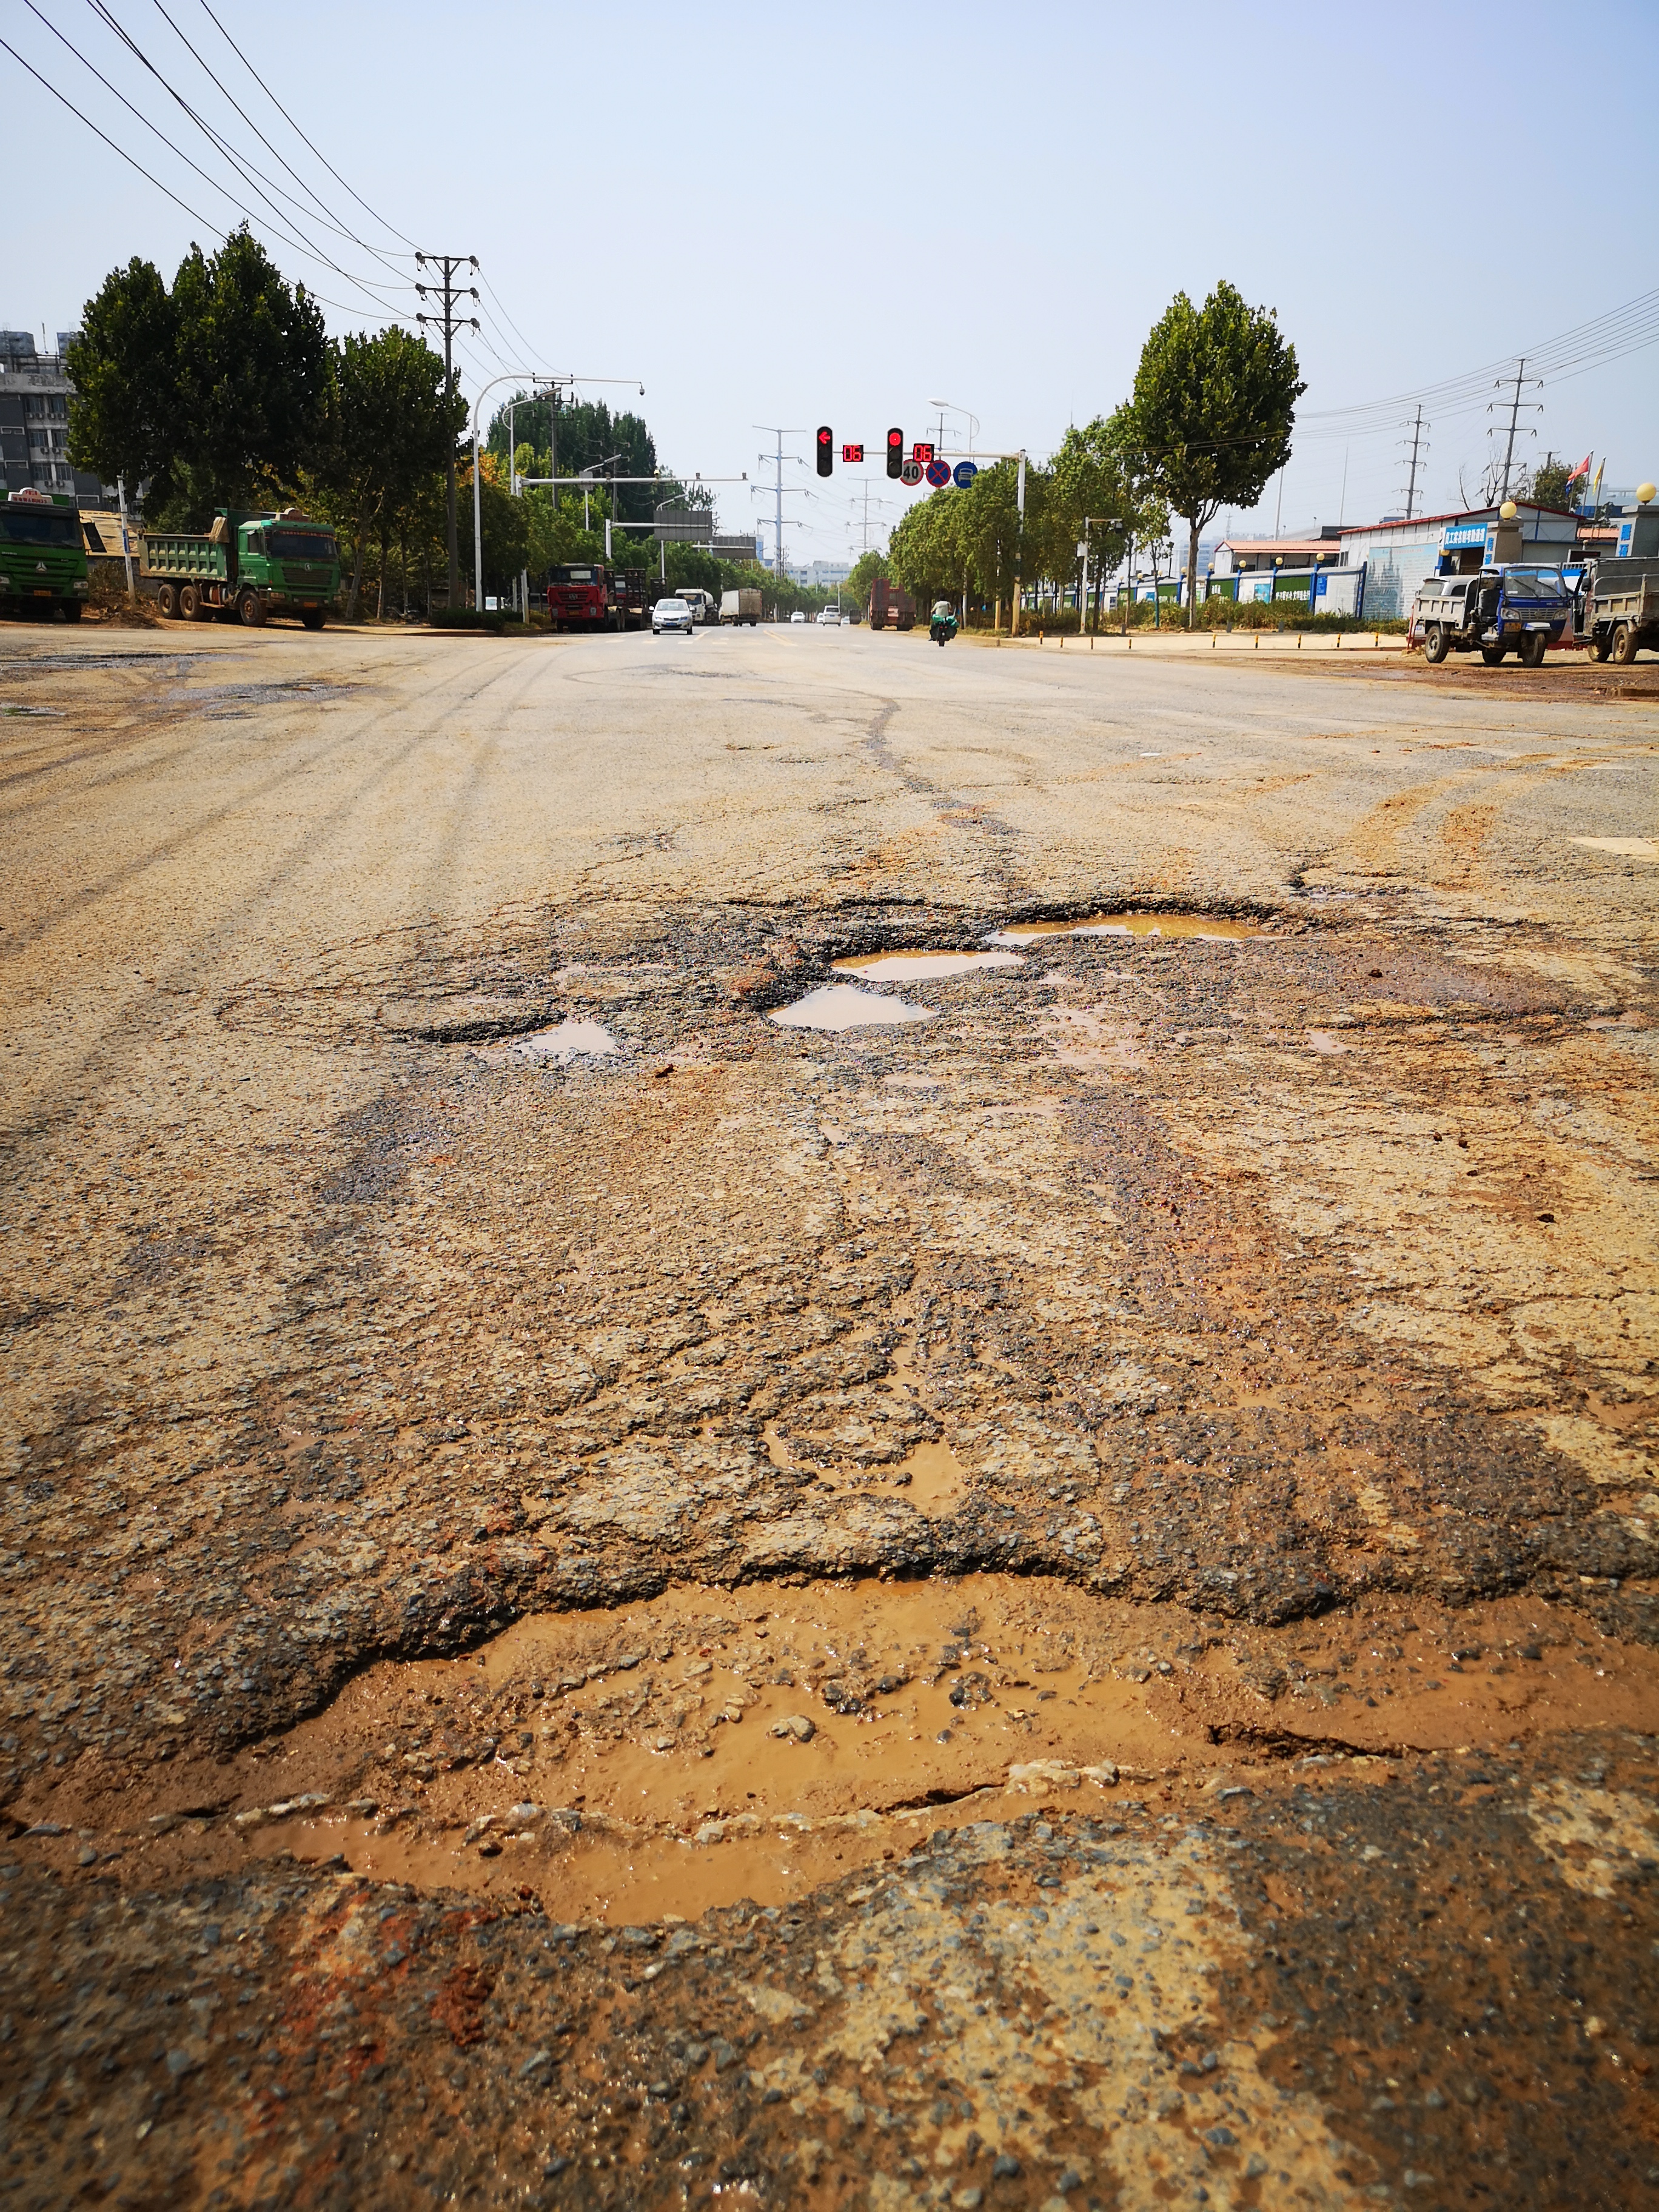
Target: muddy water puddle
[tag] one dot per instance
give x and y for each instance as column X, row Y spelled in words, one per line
column 709, row 1744
column 1213, row 929
column 920, row 966
column 839, row 1006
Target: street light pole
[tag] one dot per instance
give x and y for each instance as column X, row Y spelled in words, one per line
column 1019, row 548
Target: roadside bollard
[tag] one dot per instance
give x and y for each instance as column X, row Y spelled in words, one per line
column 1258, row 641
column 1338, row 640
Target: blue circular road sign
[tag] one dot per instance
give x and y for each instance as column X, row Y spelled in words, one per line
column 939, row 474
column 965, row 473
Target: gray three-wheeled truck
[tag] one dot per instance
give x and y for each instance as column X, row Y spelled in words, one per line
column 1498, row 611
column 1616, row 611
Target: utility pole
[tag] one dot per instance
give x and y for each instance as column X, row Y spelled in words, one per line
column 1411, row 485
column 449, row 322
column 1019, row 549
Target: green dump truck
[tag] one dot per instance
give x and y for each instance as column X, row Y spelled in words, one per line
column 253, row 565
column 43, row 556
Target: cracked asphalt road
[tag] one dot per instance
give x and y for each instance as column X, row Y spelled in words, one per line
column 542, row 1583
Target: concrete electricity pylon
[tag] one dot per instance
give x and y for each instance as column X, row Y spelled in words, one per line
column 449, row 322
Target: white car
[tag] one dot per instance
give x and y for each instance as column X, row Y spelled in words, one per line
column 671, row 614
column 828, row 618
column 798, row 616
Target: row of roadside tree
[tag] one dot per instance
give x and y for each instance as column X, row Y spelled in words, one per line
column 1207, row 426
column 223, row 389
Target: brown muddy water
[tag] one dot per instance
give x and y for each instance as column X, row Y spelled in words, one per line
column 921, row 967
column 1212, row 928
column 709, row 1744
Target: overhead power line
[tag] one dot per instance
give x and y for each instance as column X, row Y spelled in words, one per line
column 256, row 182
column 287, row 234
column 295, row 127
column 211, row 228
column 1621, row 331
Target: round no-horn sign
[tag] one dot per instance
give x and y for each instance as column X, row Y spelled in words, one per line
column 938, row 474
column 964, row 474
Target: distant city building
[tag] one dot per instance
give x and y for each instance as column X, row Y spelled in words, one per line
column 819, row 575
column 34, row 397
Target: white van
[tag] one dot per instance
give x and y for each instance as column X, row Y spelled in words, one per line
column 701, row 603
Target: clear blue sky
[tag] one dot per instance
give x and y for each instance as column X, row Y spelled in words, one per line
column 775, row 215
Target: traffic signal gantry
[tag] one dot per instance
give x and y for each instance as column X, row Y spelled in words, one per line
column 910, row 468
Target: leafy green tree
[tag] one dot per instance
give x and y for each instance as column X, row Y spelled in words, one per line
column 588, row 434
column 213, row 391
column 1214, row 401
column 390, row 424
column 865, row 571
column 253, row 376
column 1095, row 477
column 124, row 418
column 1552, row 486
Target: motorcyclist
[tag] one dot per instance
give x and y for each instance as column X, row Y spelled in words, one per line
column 942, row 622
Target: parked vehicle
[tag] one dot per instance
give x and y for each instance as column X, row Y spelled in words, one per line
column 701, row 603
column 43, row 555
column 1525, row 610
column 942, row 622
column 671, row 614
column 1617, row 611
column 254, row 565
column 1621, row 610
column 246, row 565
column 589, row 595
column 890, row 604
column 743, row 605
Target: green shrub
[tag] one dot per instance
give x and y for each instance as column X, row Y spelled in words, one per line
column 490, row 618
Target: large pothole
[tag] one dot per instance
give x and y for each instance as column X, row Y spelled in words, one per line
column 654, row 1760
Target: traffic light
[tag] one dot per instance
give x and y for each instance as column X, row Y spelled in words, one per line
column 894, row 453
column 826, row 449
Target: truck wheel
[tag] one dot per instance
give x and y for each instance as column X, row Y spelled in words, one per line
column 1435, row 645
column 313, row 619
column 1493, row 654
column 1624, row 645
column 167, row 601
column 190, row 603
column 1531, row 655
column 72, row 610
column 1601, row 642
column 251, row 608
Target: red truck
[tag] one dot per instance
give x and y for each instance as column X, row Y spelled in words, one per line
column 588, row 595
column 891, row 603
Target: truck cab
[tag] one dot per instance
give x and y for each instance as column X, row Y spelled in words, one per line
column 589, row 595
column 43, row 555
column 1515, row 607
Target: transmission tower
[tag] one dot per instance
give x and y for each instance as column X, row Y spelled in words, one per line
column 1418, row 428
column 1515, row 416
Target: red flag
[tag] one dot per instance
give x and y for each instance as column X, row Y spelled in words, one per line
column 1583, row 470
